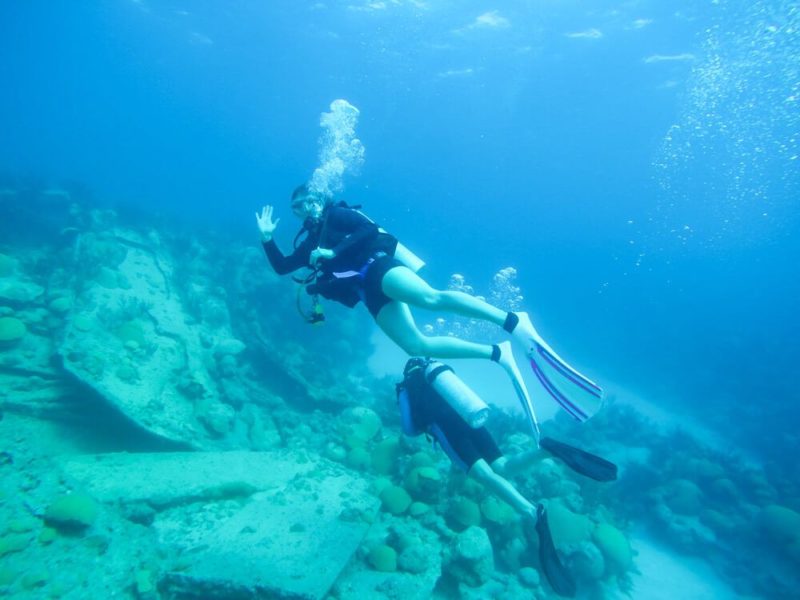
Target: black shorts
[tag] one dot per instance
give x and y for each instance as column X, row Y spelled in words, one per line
column 463, row 444
column 373, row 295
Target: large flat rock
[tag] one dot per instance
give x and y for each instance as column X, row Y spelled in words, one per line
column 171, row 478
column 245, row 524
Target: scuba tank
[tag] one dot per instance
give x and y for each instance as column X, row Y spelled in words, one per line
column 457, row 394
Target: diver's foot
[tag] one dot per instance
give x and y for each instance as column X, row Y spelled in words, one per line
column 519, row 325
column 530, row 523
column 503, row 355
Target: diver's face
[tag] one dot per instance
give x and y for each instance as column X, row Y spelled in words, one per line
column 307, row 206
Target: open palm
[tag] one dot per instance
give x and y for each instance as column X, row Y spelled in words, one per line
column 265, row 223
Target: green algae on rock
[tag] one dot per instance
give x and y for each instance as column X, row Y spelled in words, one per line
column 82, row 323
column 74, row 511
column 395, row 499
column 615, row 548
column 358, row 458
column 383, row 558
column 385, row 454
column 14, row 542
column 496, row 511
column 464, row 513
column 423, row 483
column 568, row 528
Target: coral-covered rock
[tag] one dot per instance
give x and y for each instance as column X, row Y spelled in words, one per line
column 420, row 459
column 385, row 455
column 359, row 426
column 358, row 458
column 567, row 527
column 383, row 558
column 395, row 499
column 615, row 548
column 587, row 562
column 13, row 542
column 780, row 524
column 471, row 557
column 496, row 511
column 683, row 496
column 72, row 511
column 423, row 483
column 415, row 559
column 463, row 514
column 12, row 330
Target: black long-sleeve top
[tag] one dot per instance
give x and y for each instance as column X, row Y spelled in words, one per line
column 346, row 231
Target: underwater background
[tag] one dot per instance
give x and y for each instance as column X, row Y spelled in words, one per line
column 626, row 172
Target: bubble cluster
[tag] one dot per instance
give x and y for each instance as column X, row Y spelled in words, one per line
column 730, row 163
column 504, row 293
column 340, row 151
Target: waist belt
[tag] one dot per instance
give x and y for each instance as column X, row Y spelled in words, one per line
column 362, row 272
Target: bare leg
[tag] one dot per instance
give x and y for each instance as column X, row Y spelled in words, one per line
column 509, row 465
column 396, row 321
column 403, row 285
column 504, row 489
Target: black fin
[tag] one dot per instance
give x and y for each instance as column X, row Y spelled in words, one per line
column 556, row 573
column 581, row 461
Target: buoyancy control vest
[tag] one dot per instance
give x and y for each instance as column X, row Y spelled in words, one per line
column 341, row 278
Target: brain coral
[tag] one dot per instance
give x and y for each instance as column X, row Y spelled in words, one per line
column 614, row 546
column 73, row 511
column 568, row 527
column 383, row 558
column 395, row 499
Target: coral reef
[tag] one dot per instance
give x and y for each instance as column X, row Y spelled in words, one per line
column 169, row 432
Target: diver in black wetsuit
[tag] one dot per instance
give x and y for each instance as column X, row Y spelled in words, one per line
column 355, row 261
column 348, row 251
column 433, row 400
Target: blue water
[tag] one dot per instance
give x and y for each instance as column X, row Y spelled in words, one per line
column 535, row 140
column 637, row 163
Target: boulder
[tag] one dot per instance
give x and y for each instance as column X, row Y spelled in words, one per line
column 471, row 557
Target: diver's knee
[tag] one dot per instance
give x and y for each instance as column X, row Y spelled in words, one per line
column 499, row 465
column 417, row 346
column 431, row 299
column 480, row 470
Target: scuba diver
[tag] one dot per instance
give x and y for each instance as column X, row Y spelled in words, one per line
column 434, row 401
column 353, row 260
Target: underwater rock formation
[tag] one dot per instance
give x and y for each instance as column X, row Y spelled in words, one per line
column 238, row 523
column 130, row 338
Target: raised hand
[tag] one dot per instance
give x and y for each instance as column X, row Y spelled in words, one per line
column 265, row 223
